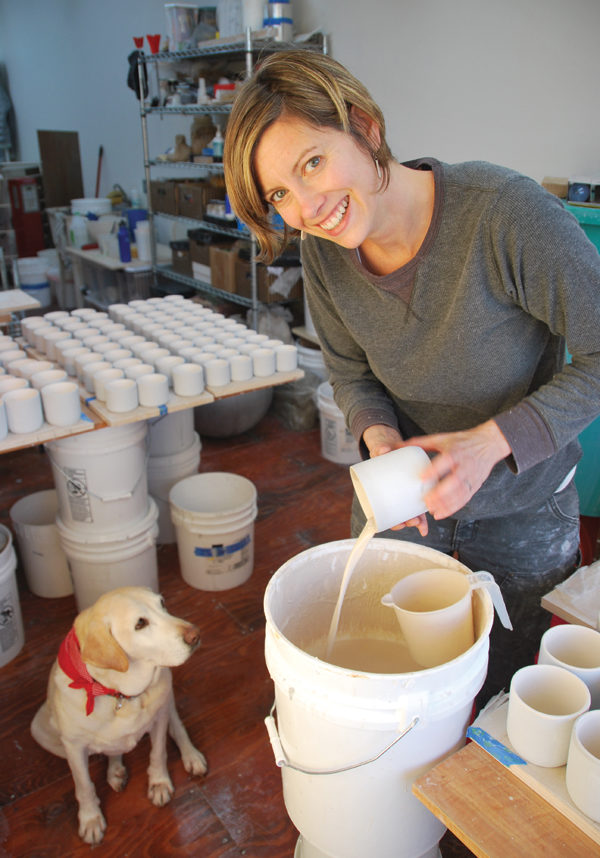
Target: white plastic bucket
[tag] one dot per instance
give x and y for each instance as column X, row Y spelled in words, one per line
column 100, row 477
column 33, row 279
column 312, row 359
column 12, row 636
column 163, row 473
column 337, row 442
column 102, row 560
column 171, row 433
column 213, row 515
column 331, row 718
column 44, row 561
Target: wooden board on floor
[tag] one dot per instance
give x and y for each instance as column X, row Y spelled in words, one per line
column 61, row 167
column 495, row 814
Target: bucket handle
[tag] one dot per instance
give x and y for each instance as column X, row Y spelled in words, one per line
column 107, row 498
column 281, row 759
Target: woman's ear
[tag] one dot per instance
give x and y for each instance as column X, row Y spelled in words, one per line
column 365, row 126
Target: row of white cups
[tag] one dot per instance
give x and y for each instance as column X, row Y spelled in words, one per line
column 135, row 354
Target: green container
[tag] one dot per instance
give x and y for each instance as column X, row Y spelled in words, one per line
column 587, row 478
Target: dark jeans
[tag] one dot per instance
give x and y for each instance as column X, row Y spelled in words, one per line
column 528, row 553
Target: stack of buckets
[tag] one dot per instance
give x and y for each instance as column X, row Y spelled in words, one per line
column 106, row 519
column 11, row 621
column 174, row 453
column 33, row 279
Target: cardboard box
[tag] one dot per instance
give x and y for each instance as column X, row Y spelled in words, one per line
column 163, row 196
column 222, row 266
column 192, row 199
column 266, row 278
column 556, row 185
column 181, row 257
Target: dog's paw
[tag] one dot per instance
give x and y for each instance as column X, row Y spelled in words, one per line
column 116, row 775
column 194, row 762
column 160, row 792
column 92, row 827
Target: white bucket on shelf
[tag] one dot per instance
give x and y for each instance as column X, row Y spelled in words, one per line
column 33, row 279
column 100, row 477
column 337, row 442
column 12, row 636
column 171, row 433
column 163, row 473
column 358, row 738
column 44, row 561
column 213, row 515
column 102, row 560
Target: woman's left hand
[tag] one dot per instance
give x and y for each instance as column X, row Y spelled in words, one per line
column 463, row 463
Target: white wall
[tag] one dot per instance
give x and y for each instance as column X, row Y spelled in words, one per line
column 511, row 81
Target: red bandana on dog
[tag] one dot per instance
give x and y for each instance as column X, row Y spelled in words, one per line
column 69, row 660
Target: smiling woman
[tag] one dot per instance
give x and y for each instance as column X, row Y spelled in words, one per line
column 442, row 296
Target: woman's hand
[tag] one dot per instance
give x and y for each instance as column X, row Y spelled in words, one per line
column 463, row 464
column 382, row 439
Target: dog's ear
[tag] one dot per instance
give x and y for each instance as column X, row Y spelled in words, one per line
column 97, row 644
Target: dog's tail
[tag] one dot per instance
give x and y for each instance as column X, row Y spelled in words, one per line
column 44, row 732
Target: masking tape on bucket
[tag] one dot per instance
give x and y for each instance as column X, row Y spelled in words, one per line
column 222, row 550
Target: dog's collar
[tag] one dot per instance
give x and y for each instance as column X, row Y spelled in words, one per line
column 69, row 660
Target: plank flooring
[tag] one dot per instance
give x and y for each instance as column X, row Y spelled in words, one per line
column 223, row 692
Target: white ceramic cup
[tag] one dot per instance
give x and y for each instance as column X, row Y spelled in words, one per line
column 61, row 403
column 11, row 382
column 113, row 355
column 138, row 370
column 69, row 356
column 152, row 355
column 90, row 370
column 101, row 379
column 3, row 420
column 30, row 367
column 543, row 705
column 11, row 355
column 121, row 395
column 263, row 362
column 153, row 389
column 82, row 360
column 166, row 364
column 24, row 410
column 582, row 775
column 435, row 612
column 47, row 376
column 576, row 648
column 25, row 367
column 51, row 338
column 241, row 367
column 217, row 372
column 286, row 357
column 188, row 379
column 389, row 487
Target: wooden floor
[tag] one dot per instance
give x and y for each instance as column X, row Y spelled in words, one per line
column 223, row 692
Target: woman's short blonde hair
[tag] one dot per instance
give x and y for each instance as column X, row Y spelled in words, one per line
column 303, row 84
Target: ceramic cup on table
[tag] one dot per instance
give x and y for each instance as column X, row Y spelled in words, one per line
column 241, row 367
column 577, row 649
column 217, row 372
column 582, row 775
column 12, row 382
column 47, row 376
column 286, row 357
column 166, row 364
column 3, row 421
column 61, row 403
column 263, row 362
column 153, row 389
column 543, row 704
column 24, row 412
column 101, row 379
column 11, row 355
column 121, row 395
column 90, row 369
column 136, row 370
column 188, row 379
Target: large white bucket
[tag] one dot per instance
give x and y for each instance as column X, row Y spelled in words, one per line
column 163, row 473
column 103, row 560
column 33, row 279
column 330, row 718
column 42, row 555
column 12, row 636
column 100, row 477
column 337, row 442
column 171, row 433
column 214, row 514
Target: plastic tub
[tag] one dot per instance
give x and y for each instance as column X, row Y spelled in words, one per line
column 337, row 442
column 163, row 473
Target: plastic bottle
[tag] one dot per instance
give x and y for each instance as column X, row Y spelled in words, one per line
column 78, row 232
column 124, row 242
column 216, row 145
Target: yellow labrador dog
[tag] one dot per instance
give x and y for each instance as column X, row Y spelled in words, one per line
column 110, row 684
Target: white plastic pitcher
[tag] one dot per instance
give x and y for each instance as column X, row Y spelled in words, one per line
column 351, row 742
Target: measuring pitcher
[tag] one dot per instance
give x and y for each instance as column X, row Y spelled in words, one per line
column 434, row 610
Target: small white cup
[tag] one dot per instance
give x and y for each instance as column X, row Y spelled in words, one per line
column 153, row 389
column 113, row 355
column 124, row 363
column 217, row 372
column 263, row 362
column 90, row 370
column 82, row 360
column 61, row 403
column 166, row 364
column 24, row 410
column 69, row 357
column 47, row 376
column 138, row 370
column 26, row 367
column 241, row 367
column 188, row 379
column 582, row 775
column 51, row 339
column 286, row 357
column 12, row 382
column 543, row 705
column 101, row 379
column 389, row 487
column 121, row 395
column 11, row 355
column 577, row 649
column 3, row 420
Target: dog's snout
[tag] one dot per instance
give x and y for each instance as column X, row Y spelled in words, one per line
column 191, row 636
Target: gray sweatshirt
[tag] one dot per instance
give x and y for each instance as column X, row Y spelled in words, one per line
column 473, row 327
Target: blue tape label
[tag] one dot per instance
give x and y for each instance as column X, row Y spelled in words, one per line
column 497, row 750
column 220, row 550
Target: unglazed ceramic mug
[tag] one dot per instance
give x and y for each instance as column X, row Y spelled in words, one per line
column 24, row 410
column 121, row 395
column 61, row 403
column 153, row 389
column 577, row 649
column 582, row 775
column 188, row 379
